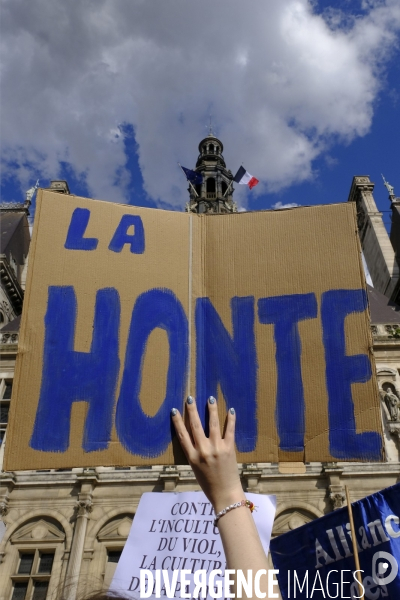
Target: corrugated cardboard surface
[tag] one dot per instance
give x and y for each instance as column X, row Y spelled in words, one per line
column 259, row 254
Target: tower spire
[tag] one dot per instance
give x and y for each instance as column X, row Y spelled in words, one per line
column 210, row 131
column 214, row 194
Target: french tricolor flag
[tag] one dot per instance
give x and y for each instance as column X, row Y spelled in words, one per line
column 244, row 178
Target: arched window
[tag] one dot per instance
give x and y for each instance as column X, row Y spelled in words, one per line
column 198, row 189
column 211, row 148
column 224, row 187
column 204, row 149
column 216, row 149
column 291, row 519
column 112, row 536
column 210, row 185
column 38, row 548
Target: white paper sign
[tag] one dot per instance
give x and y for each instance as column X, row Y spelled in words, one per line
column 175, row 531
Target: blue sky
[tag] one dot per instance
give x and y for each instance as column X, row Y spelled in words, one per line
column 110, row 95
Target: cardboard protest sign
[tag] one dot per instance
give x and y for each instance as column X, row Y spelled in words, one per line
column 175, row 532
column 128, row 310
column 316, row 560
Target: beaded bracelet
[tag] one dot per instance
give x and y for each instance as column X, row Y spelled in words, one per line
column 247, row 503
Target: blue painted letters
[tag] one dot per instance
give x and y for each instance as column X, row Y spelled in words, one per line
column 79, row 222
column 341, row 372
column 121, row 237
column 231, row 362
column 69, row 376
column 139, row 433
column 285, row 312
column 223, row 359
column 77, row 227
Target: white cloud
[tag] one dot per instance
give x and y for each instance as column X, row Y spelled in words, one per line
column 279, row 86
column 279, row 205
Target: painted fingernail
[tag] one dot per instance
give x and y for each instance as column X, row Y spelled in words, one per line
column 173, row 412
column 232, row 411
column 212, row 400
column 190, row 400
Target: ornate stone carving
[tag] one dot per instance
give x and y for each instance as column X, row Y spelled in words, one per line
column 8, row 338
column 395, row 332
column 387, row 374
column 337, row 499
column 38, row 531
column 394, row 429
column 7, row 482
column 361, row 218
column 290, row 519
column 30, row 193
column 3, row 508
column 389, row 188
column 12, row 206
column 296, row 521
column 116, row 529
column 84, row 507
column 392, row 331
column 392, row 403
column 335, row 490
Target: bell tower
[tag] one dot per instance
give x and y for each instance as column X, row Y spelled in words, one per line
column 214, row 194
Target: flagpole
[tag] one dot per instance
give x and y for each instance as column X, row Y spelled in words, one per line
column 227, row 189
column 354, row 540
column 190, row 183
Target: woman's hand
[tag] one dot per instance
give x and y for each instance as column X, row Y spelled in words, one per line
column 212, row 459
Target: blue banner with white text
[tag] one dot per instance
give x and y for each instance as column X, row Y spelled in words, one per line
column 316, row 560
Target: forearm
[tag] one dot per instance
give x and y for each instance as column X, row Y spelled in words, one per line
column 213, row 461
column 242, row 545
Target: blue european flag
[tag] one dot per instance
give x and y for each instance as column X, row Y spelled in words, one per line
column 193, row 176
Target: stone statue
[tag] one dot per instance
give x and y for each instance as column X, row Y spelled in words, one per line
column 389, row 187
column 31, row 191
column 393, row 404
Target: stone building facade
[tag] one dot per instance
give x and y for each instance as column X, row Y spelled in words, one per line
column 381, row 252
column 66, row 528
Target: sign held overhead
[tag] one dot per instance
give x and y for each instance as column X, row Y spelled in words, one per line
column 128, row 310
